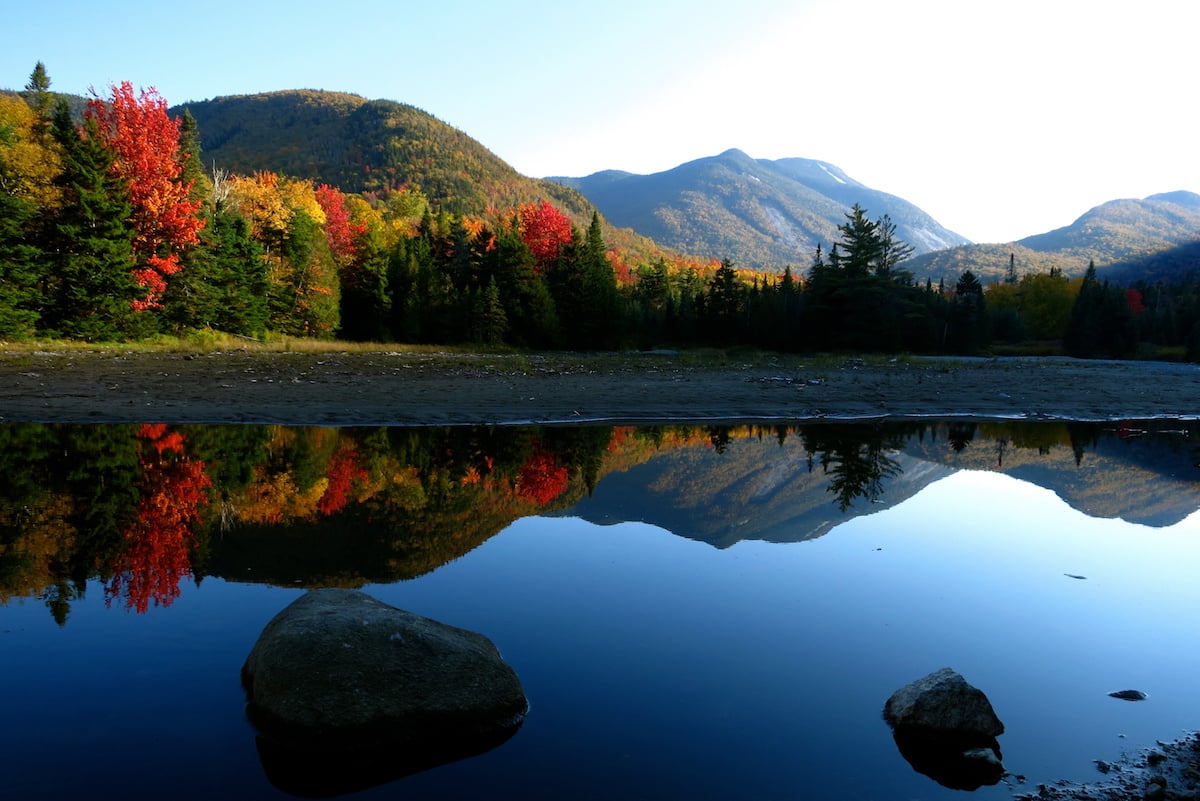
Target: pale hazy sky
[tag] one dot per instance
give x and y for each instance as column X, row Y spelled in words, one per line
column 1000, row 119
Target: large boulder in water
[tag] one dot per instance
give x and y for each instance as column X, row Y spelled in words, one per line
column 947, row 730
column 340, row 672
column 943, row 701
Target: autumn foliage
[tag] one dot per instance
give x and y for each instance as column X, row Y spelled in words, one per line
column 341, row 232
column 344, row 471
column 545, row 230
column 542, row 478
column 144, row 141
column 158, row 541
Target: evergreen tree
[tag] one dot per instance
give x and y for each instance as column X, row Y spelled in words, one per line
column 529, row 308
column 189, row 152
column 968, row 326
column 860, row 243
column 366, row 296
column 600, row 325
column 892, row 253
column 489, row 323
column 1084, row 333
column 224, row 283
column 724, row 304
column 304, row 288
column 38, row 95
column 20, row 271
column 91, row 290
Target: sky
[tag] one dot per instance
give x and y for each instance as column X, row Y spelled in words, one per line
column 999, row 119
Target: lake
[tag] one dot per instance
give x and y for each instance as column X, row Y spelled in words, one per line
column 695, row 612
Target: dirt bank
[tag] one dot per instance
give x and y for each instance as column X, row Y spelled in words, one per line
column 450, row 388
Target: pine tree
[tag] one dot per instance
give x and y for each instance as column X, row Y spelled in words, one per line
column 489, row 323
column 90, row 292
column 19, row 267
column 860, row 243
column 38, row 95
column 224, row 283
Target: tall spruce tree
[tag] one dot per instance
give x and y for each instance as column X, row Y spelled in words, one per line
column 90, row 290
column 19, row 267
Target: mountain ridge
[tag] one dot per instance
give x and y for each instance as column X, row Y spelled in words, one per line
column 761, row 214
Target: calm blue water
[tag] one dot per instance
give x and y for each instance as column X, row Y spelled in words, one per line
column 662, row 667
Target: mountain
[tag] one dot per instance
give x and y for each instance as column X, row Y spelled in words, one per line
column 758, row 213
column 362, row 145
column 1155, row 238
column 750, row 490
column 761, row 489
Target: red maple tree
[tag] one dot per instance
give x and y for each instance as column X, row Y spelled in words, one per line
column 545, row 230
column 541, row 479
column 144, row 142
column 341, row 232
column 157, row 543
column 344, row 470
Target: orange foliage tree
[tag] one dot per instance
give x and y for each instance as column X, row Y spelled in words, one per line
column 157, row 542
column 147, row 156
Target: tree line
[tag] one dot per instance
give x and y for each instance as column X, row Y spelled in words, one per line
column 112, row 229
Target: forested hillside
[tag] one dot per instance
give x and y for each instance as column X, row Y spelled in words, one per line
column 317, row 214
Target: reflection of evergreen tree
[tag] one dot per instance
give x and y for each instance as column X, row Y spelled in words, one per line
column 855, row 458
column 960, row 435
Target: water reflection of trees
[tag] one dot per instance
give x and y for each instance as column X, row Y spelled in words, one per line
column 142, row 509
column 857, row 458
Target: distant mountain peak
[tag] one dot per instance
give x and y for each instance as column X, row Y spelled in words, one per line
column 760, row 214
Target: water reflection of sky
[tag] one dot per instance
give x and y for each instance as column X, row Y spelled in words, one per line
column 659, row 667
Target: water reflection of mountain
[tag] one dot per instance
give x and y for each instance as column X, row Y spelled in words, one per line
column 781, row 492
column 142, row 507
column 752, row 490
column 1142, row 473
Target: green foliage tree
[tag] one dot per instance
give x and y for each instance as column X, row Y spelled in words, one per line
column 489, row 323
column 529, row 308
column 38, row 95
column 20, row 269
column 725, row 304
column 224, row 283
column 1101, row 323
column 968, row 326
column 304, row 289
column 90, row 290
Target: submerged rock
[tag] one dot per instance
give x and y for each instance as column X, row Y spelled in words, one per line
column 947, row 730
column 339, row 676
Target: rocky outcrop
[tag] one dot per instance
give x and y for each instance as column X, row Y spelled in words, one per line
column 342, row 676
column 947, row 730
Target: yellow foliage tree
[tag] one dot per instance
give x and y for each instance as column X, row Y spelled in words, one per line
column 29, row 162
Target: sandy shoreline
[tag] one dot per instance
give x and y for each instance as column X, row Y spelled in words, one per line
column 389, row 388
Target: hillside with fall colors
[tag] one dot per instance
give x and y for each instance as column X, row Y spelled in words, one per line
column 372, row 147
column 328, row 215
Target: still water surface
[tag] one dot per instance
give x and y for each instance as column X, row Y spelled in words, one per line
column 693, row 613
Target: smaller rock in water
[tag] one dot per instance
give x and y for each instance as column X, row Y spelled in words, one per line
column 1129, row 695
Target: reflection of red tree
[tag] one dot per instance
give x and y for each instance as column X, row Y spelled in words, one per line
column 157, row 542
column 344, row 470
column 541, row 479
